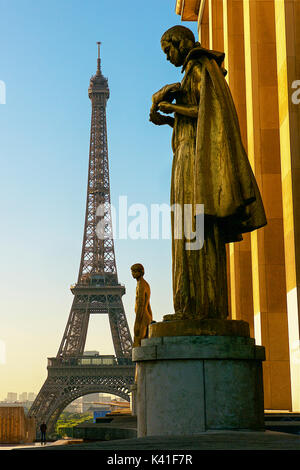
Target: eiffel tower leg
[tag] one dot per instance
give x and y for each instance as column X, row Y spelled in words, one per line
column 74, row 337
column 44, row 403
column 120, row 334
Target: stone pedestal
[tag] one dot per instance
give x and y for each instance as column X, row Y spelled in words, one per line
column 191, row 384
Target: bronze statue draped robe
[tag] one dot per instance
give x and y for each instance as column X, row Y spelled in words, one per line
column 210, row 167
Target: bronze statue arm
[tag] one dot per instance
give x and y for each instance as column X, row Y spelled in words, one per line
column 186, row 110
column 160, row 119
column 140, row 303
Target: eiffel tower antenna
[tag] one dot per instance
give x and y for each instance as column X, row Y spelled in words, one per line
column 97, row 291
column 98, row 60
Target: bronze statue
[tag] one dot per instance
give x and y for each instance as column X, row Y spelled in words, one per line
column 142, row 305
column 210, row 167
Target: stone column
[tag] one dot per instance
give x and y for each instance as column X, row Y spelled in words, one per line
column 267, row 244
column 203, row 25
column 287, row 17
column 239, row 254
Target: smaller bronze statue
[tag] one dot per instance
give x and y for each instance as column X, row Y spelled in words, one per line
column 142, row 305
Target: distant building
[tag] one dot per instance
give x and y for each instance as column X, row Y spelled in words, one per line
column 23, row 396
column 104, row 398
column 91, row 353
column 94, row 401
column 75, row 406
column 12, row 397
column 89, row 402
column 15, row 404
column 90, row 398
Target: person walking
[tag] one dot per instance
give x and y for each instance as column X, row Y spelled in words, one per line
column 43, row 429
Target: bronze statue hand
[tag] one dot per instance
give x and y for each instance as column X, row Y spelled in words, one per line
column 166, row 107
column 166, row 93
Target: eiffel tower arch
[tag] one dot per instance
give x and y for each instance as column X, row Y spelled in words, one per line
column 72, row 374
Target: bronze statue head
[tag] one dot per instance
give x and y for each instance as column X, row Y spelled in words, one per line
column 137, row 270
column 176, row 43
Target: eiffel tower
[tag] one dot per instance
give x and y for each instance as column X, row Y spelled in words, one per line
column 71, row 374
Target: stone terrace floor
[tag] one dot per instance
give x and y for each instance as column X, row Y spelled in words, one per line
column 214, row 440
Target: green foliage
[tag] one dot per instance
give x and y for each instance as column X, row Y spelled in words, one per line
column 67, row 420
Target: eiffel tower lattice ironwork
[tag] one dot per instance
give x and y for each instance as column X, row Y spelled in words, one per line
column 97, row 291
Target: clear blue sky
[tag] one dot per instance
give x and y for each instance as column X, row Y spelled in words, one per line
column 48, row 54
